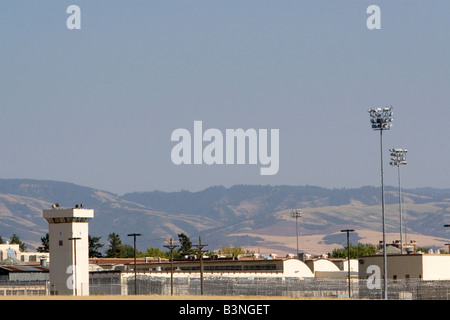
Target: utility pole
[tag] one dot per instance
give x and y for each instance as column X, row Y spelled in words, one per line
column 171, row 246
column 348, row 258
column 135, row 271
column 200, row 252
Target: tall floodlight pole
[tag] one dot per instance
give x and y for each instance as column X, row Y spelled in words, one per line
column 296, row 214
column 381, row 119
column 398, row 157
column 134, row 235
column 348, row 258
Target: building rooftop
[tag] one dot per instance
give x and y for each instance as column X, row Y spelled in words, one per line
column 24, row 268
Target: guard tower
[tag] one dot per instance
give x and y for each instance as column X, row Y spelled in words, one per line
column 69, row 249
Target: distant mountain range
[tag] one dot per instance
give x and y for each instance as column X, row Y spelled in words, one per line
column 251, row 216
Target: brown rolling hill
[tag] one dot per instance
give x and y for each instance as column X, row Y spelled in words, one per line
column 254, row 217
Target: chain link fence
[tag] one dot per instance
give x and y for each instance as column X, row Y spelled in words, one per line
column 289, row 287
column 409, row 289
column 29, row 288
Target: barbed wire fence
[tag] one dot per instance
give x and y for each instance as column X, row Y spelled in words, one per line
column 410, row 289
column 28, row 288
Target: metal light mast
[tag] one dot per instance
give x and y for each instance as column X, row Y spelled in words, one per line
column 296, row 214
column 398, row 157
column 381, row 119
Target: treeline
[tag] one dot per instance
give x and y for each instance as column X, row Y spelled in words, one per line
column 117, row 249
column 361, row 250
column 184, row 247
column 181, row 248
column 356, row 251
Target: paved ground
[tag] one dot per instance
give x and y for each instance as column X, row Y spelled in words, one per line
column 152, row 297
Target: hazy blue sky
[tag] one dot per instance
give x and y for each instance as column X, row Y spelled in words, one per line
column 97, row 106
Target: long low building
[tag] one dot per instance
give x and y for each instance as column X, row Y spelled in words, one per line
column 229, row 267
column 224, row 267
column 427, row 267
column 115, row 275
column 23, row 279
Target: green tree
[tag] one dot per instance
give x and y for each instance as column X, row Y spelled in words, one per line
column 115, row 246
column 185, row 245
column 15, row 240
column 425, row 250
column 233, row 251
column 118, row 250
column 45, row 244
column 94, row 247
column 155, row 252
column 355, row 251
column 128, row 251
